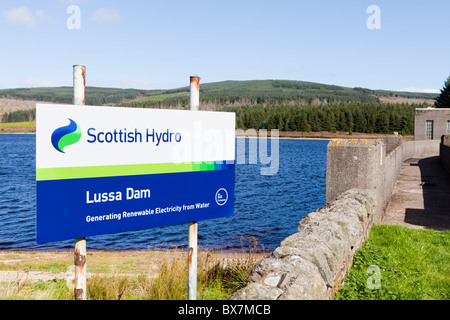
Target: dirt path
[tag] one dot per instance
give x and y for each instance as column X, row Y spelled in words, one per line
column 22, row 276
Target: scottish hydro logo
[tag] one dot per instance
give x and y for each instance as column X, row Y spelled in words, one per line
column 66, row 136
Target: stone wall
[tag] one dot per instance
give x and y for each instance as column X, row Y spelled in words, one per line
column 445, row 152
column 312, row 263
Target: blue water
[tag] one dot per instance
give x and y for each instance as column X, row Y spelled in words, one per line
column 267, row 208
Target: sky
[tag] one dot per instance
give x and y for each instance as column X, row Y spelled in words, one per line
column 376, row 44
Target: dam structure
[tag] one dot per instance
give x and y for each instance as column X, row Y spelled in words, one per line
column 369, row 181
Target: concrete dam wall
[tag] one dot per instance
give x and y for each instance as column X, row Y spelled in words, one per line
column 372, row 164
column 312, row 263
column 444, row 150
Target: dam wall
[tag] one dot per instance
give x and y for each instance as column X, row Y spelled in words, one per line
column 371, row 164
column 419, row 148
column 312, row 263
column 444, row 152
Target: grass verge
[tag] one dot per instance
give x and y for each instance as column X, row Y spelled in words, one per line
column 18, row 125
column 400, row 263
column 118, row 275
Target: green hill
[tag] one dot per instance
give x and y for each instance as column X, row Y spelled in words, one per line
column 259, row 104
column 94, row 95
column 218, row 94
column 270, row 92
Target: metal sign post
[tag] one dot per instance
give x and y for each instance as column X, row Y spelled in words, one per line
column 194, row 105
column 79, row 85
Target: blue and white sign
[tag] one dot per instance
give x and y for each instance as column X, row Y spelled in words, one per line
column 103, row 170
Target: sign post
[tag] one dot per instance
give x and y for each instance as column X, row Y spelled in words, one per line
column 79, row 87
column 102, row 170
column 194, row 105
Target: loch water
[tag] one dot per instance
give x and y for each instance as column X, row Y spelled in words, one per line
column 267, row 207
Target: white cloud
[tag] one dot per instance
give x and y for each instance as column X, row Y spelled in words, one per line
column 20, row 17
column 106, row 15
column 41, row 16
column 413, row 89
column 36, row 82
column 25, row 18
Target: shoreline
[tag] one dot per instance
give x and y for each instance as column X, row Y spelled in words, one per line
column 223, row 251
column 286, row 135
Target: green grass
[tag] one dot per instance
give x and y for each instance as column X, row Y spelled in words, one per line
column 413, row 265
column 18, row 125
column 126, row 276
column 37, row 290
column 216, row 280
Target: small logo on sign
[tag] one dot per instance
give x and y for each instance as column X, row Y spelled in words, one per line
column 66, row 136
column 221, row 196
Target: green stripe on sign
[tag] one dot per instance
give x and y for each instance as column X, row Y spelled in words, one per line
column 119, row 170
column 203, row 166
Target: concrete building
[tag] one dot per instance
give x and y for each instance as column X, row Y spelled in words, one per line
column 431, row 123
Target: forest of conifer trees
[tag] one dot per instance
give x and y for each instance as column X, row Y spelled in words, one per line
column 367, row 118
column 359, row 117
column 259, row 104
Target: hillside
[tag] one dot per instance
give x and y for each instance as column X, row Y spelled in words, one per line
column 213, row 95
column 290, row 106
column 273, row 92
column 94, row 95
